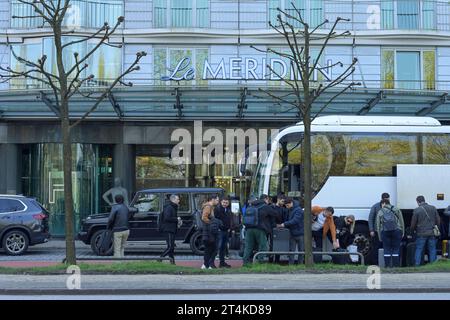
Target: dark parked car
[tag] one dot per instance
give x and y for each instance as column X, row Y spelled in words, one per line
column 144, row 223
column 23, row 223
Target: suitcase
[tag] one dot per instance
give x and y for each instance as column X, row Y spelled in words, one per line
column 411, row 253
column 340, row 259
column 280, row 242
column 281, row 239
column 105, row 242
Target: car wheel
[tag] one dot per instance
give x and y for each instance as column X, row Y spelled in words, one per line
column 95, row 243
column 362, row 241
column 15, row 242
column 196, row 243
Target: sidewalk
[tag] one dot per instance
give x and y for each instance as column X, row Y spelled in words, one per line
column 225, row 283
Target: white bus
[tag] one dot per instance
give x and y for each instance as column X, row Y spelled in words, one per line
column 357, row 158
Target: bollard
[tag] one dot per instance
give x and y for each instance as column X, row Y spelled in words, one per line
column 444, row 249
column 381, row 258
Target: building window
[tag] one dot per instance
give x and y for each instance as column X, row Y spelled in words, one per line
column 166, row 61
column 181, row 13
column 413, row 70
column 82, row 13
column 408, row 14
column 311, row 10
column 30, row 52
column 105, row 64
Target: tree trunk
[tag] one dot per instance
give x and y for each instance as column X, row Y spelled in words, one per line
column 68, row 197
column 307, row 174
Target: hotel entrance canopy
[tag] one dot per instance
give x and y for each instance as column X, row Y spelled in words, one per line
column 221, row 103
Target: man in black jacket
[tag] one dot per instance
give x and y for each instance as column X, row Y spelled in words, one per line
column 223, row 213
column 118, row 223
column 169, row 225
column 282, row 214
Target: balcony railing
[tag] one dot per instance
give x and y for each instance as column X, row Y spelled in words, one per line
column 376, row 14
column 82, row 13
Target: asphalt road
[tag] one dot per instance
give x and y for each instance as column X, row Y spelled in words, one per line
column 245, row 296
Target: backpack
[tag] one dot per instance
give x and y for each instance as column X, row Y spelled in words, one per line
column 251, row 217
column 389, row 219
column 160, row 221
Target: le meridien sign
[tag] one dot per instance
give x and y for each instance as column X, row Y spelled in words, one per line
column 242, row 69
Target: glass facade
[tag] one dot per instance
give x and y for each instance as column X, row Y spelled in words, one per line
column 155, row 169
column 167, row 59
column 181, row 13
column 312, row 11
column 408, row 14
column 42, row 177
column 82, row 13
column 105, row 64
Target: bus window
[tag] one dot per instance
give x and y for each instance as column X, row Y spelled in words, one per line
column 436, row 149
column 376, row 155
column 287, row 163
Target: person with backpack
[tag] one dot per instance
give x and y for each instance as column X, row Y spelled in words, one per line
column 168, row 224
column 390, row 225
column 258, row 225
column 210, row 231
column 424, row 220
column 375, row 238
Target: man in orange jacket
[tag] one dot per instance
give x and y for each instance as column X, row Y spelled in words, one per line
column 323, row 226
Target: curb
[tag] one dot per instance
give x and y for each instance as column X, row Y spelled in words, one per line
column 113, row 291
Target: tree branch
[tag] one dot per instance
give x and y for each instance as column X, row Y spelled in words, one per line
column 130, row 69
column 334, row 97
column 102, row 40
column 324, row 45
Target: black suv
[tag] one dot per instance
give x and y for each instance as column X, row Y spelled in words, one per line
column 23, row 223
column 143, row 224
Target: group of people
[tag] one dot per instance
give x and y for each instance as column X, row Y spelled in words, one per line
column 387, row 229
column 286, row 212
column 261, row 217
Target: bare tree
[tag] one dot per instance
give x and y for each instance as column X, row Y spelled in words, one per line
column 304, row 91
column 67, row 82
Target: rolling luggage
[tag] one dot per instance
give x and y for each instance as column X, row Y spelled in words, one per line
column 281, row 239
column 105, row 242
column 410, row 255
column 340, row 259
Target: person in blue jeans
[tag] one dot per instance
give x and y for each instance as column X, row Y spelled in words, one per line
column 424, row 218
column 390, row 225
column 223, row 213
